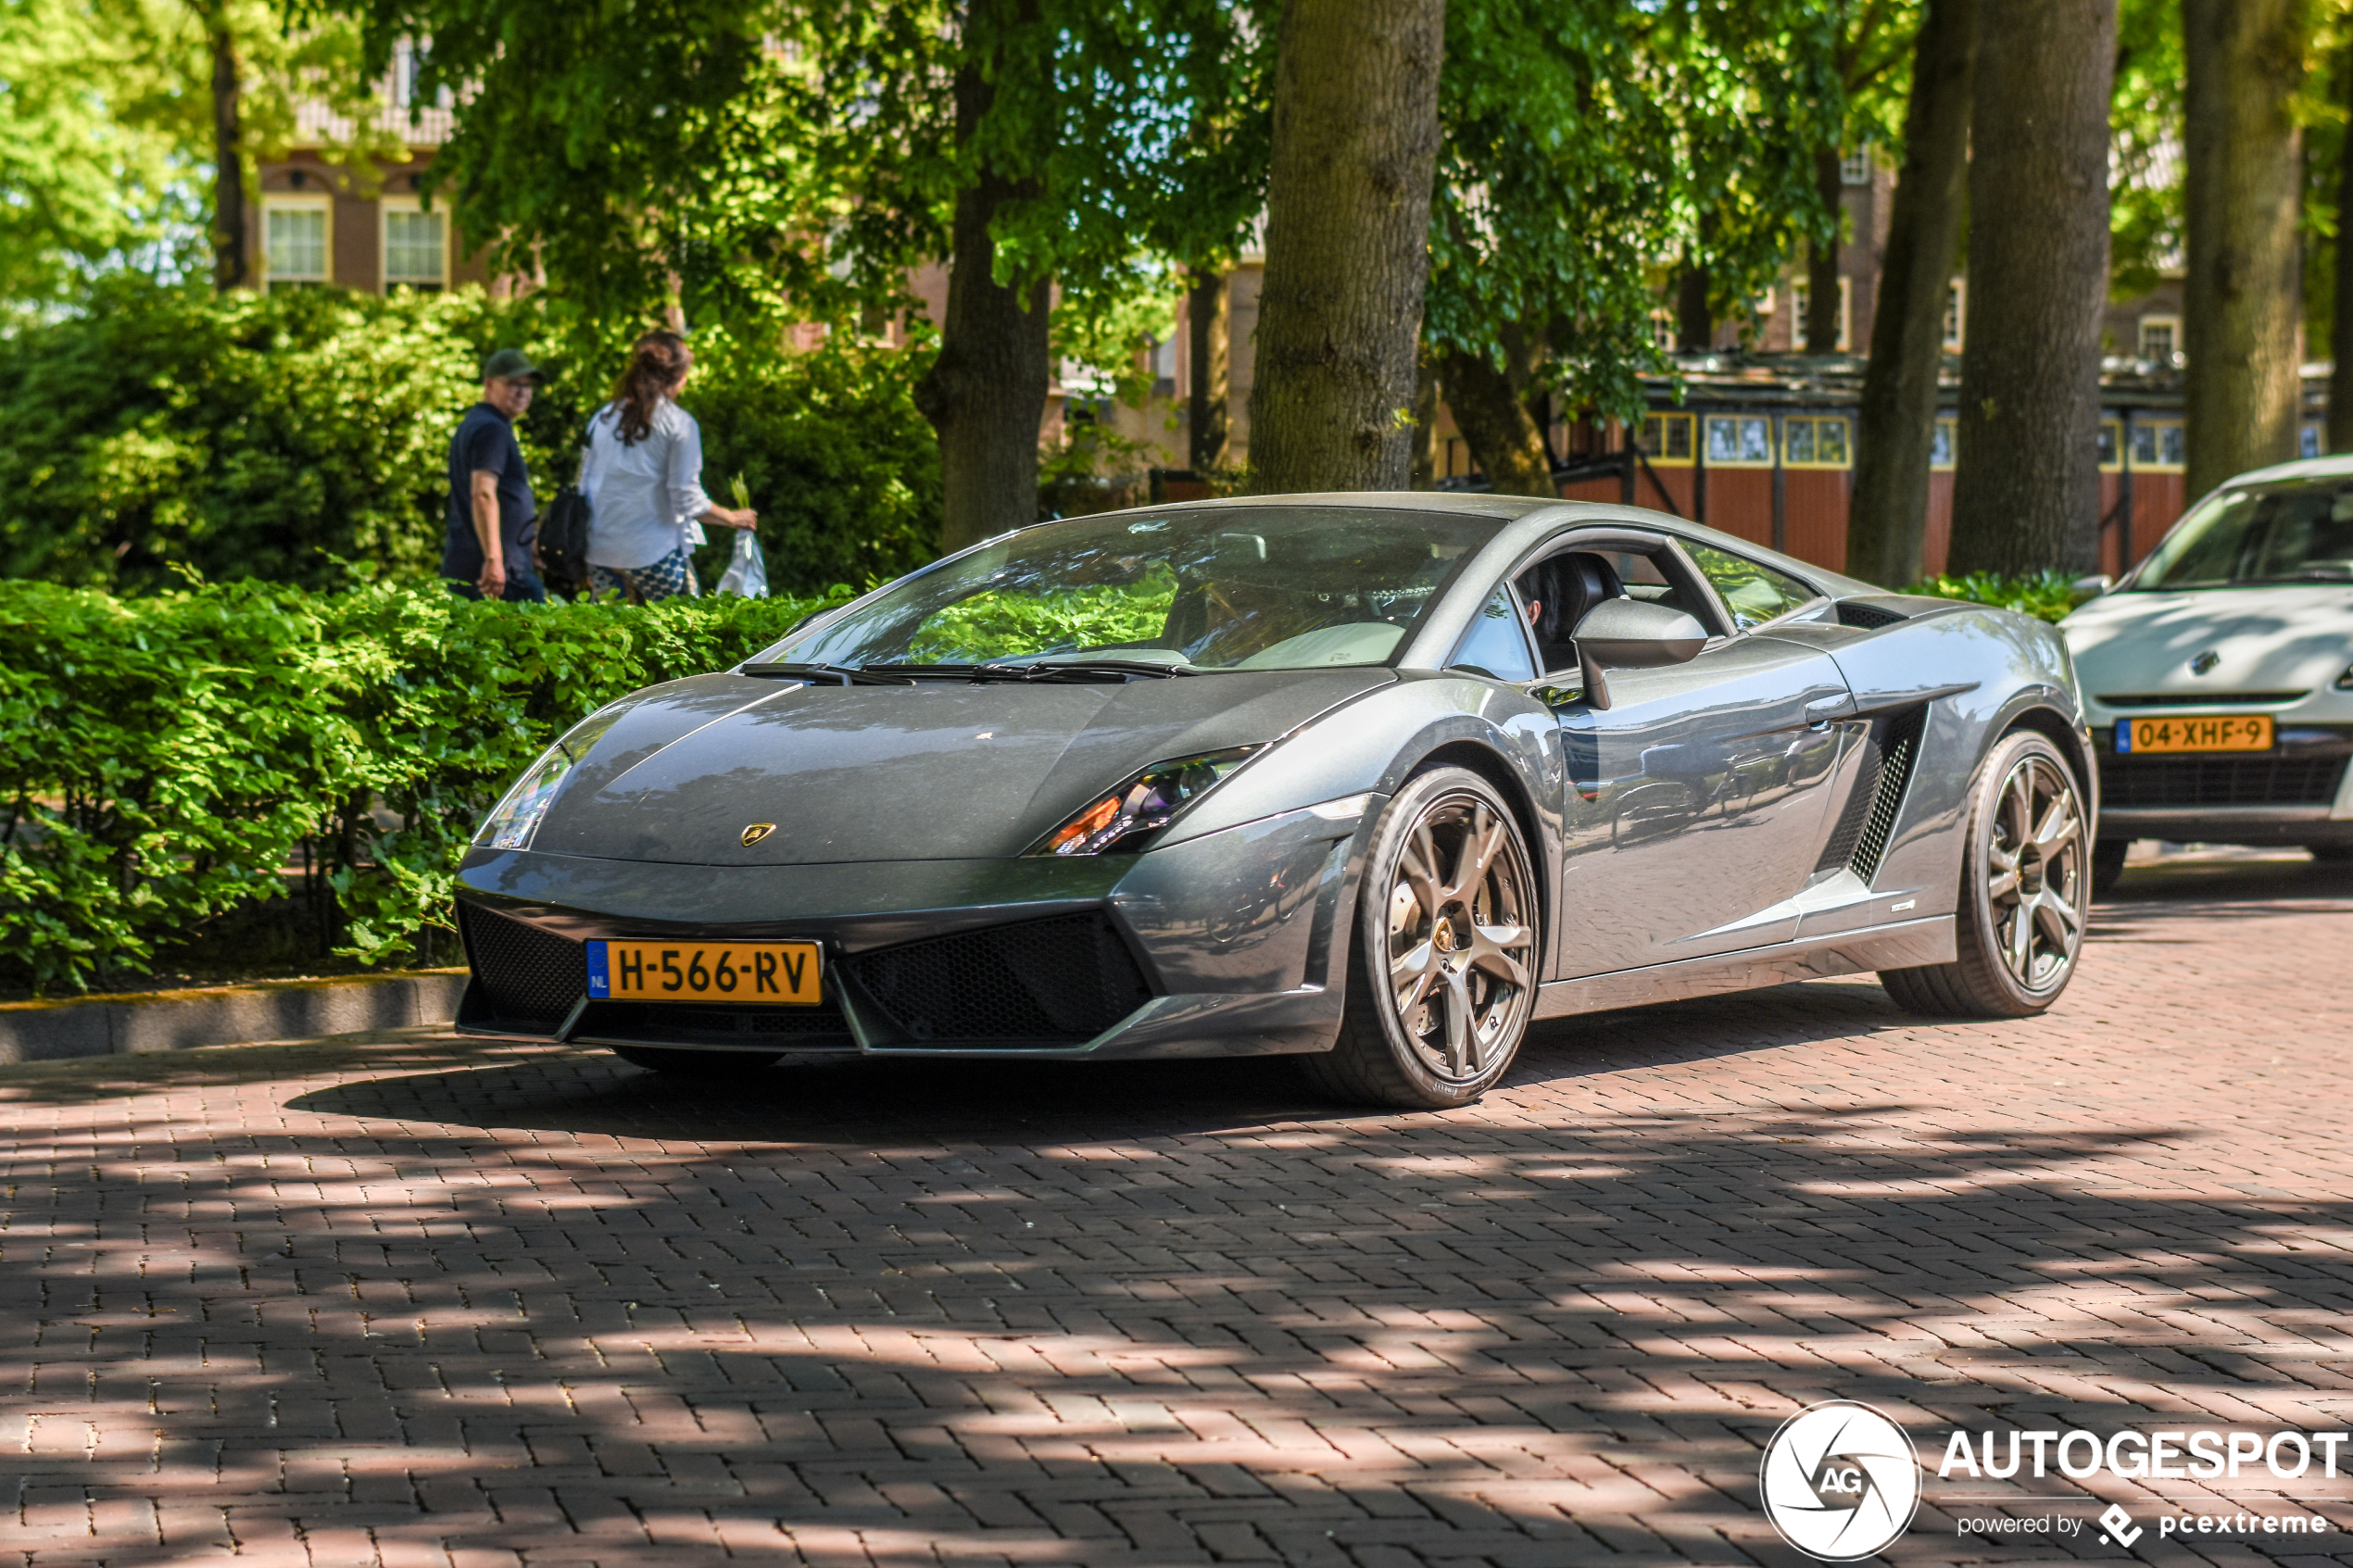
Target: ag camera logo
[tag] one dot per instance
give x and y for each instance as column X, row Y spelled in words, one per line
column 1840, row 1481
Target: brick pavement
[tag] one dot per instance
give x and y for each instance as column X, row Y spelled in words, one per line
column 409, row 1299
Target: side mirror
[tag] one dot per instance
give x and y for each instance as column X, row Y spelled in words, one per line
column 1633, row 635
column 2085, row 589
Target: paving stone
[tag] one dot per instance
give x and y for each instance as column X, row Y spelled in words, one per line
column 409, row 1299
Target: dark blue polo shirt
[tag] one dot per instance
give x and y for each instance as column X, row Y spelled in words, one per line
column 485, row 439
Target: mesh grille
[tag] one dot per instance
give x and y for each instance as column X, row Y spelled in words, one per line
column 1066, row 979
column 529, row 976
column 2267, row 779
column 1899, row 747
column 1840, row 850
column 1866, row 618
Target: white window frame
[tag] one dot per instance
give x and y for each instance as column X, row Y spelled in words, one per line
column 385, row 207
column 283, row 201
column 1855, row 168
column 2170, row 325
column 1951, row 425
column 1957, row 312
column 1663, row 329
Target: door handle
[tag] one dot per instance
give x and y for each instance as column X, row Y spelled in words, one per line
column 1819, row 712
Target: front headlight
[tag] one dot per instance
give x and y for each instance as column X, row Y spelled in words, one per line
column 516, row 818
column 1145, row 802
column 2345, row 682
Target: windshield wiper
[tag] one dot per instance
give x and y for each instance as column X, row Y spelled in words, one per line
column 840, row 674
column 1091, row 671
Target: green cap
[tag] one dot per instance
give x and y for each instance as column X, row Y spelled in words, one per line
column 509, row 364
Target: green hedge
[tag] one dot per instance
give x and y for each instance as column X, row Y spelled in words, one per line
column 2046, row 594
column 277, row 436
column 167, row 757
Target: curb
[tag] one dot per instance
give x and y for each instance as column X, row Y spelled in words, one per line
column 264, row 1011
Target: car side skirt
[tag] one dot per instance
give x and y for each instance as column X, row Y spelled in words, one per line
column 1901, row 944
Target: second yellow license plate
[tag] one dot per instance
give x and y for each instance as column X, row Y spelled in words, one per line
column 776, row 974
column 2200, row 732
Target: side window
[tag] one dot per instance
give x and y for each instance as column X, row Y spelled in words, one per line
column 1496, row 644
column 1753, row 593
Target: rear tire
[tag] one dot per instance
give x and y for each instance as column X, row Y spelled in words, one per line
column 682, row 1064
column 2107, row 863
column 2025, row 882
column 1442, row 965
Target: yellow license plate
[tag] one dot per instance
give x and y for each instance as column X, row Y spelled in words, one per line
column 774, row 973
column 2199, row 731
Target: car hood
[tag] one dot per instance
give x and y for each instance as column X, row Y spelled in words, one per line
column 936, row 770
column 2294, row 638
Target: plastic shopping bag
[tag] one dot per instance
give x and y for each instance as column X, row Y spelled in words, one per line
column 747, row 569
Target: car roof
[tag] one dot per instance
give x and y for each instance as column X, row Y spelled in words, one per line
column 2339, row 466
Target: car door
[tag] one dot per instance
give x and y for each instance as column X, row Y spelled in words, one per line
column 1698, row 798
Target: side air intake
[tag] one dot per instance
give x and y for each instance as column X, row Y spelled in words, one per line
column 1899, row 748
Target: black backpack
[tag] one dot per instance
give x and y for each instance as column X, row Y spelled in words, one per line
column 563, row 538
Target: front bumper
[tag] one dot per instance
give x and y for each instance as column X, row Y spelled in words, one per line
column 2299, row 792
column 1223, row 944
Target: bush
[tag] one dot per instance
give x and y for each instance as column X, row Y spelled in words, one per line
column 169, row 756
column 2048, row 594
column 252, row 435
column 266, row 435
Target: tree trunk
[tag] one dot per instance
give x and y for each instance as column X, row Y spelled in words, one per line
column 1424, row 470
column 232, row 258
column 1505, row 442
column 2241, row 190
column 2341, row 323
column 2026, row 490
column 1206, row 350
column 1822, row 274
column 1897, row 419
column 1348, row 195
column 1694, row 321
column 986, row 393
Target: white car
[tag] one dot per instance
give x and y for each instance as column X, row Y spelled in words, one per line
column 2217, row 675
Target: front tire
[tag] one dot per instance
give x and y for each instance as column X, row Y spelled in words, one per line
column 682, row 1064
column 2107, row 863
column 2025, row 885
column 1441, row 974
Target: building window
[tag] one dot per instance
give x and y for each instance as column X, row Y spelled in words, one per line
column 1815, row 442
column 1663, row 329
column 294, row 244
column 1800, row 299
column 1667, row 439
column 2307, row 443
column 1955, row 313
column 2157, row 445
column 1940, row 444
column 2112, row 444
column 1855, row 169
column 416, row 247
column 1739, row 441
column 2160, row 338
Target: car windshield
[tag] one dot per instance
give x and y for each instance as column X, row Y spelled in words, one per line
column 2294, row 531
column 1230, row 588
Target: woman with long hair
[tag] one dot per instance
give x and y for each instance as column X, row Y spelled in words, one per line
column 642, row 478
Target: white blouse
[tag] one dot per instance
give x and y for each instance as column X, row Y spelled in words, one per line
column 642, row 496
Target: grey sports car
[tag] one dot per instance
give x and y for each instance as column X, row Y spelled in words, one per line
column 1371, row 779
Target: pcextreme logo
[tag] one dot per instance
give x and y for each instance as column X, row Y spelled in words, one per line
column 1840, row 1481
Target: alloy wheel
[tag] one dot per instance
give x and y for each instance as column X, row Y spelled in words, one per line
column 2035, row 882
column 1462, row 937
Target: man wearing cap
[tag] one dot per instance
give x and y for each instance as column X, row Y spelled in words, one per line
column 493, row 518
